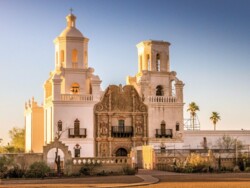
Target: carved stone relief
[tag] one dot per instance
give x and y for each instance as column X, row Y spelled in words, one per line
column 103, row 125
column 120, row 99
column 104, row 150
column 139, row 125
column 119, row 103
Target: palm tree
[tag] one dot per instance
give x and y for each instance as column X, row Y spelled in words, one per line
column 192, row 107
column 215, row 117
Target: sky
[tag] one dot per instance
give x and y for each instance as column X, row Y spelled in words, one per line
column 210, row 50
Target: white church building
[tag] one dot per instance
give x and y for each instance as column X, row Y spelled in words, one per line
column 148, row 110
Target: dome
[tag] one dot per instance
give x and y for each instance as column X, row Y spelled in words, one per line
column 71, row 32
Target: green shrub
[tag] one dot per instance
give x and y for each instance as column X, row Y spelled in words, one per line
column 247, row 169
column 88, row 168
column 38, row 170
column 127, row 170
column 85, row 171
column 102, row 173
column 236, row 169
column 15, row 172
column 5, row 164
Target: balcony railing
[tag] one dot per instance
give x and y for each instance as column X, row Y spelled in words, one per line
column 161, row 99
column 104, row 161
column 122, row 131
column 163, row 133
column 76, row 97
column 77, row 133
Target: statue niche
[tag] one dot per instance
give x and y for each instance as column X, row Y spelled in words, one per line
column 139, row 125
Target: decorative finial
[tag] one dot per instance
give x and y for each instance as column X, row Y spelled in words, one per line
column 71, row 10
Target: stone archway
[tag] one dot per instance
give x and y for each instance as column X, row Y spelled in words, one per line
column 62, row 148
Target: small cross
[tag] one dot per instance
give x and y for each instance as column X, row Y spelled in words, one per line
column 71, row 10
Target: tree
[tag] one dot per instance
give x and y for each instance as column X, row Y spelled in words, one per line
column 17, row 142
column 215, row 117
column 1, row 147
column 227, row 142
column 192, row 108
column 57, row 157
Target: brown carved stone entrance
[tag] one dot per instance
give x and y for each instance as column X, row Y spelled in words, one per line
column 120, row 121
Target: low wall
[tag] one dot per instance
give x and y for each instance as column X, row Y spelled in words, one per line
column 25, row 159
column 109, row 164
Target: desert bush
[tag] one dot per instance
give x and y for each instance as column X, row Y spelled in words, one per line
column 242, row 164
column 236, row 169
column 38, row 170
column 247, row 169
column 85, row 171
column 226, row 169
column 88, row 168
column 15, row 172
column 6, row 163
column 102, row 173
column 194, row 163
column 127, row 170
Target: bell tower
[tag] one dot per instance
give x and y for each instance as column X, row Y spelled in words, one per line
column 71, row 91
column 153, row 56
column 71, row 47
column 160, row 90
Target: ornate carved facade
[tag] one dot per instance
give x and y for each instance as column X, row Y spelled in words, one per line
column 120, row 121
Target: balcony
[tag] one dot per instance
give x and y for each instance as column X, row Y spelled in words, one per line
column 161, row 99
column 122, row 131
column 163, row 133
column 77, row 133
column 76, row 97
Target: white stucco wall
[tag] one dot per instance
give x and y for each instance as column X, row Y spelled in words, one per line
column 28, row 135
column 68, row 112
column 194, row 139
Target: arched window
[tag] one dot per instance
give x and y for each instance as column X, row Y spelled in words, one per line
column 163, row 127
column 158, row 62
column 177, row 126
column 77, row 127
column 121, row 152
column 62, row 56
column 205, row 142
column 74, row 59
column 75, row 88
column 159, row 90
column 74, row 56
column 59, row 125
column 77, row 149
column 148, row 61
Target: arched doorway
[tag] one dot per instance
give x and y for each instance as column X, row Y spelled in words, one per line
column 121, row 152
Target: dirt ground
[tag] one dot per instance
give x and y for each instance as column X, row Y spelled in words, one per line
column 70, row 182
column 199, row 185
column 225, row 180
column 168, row 180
